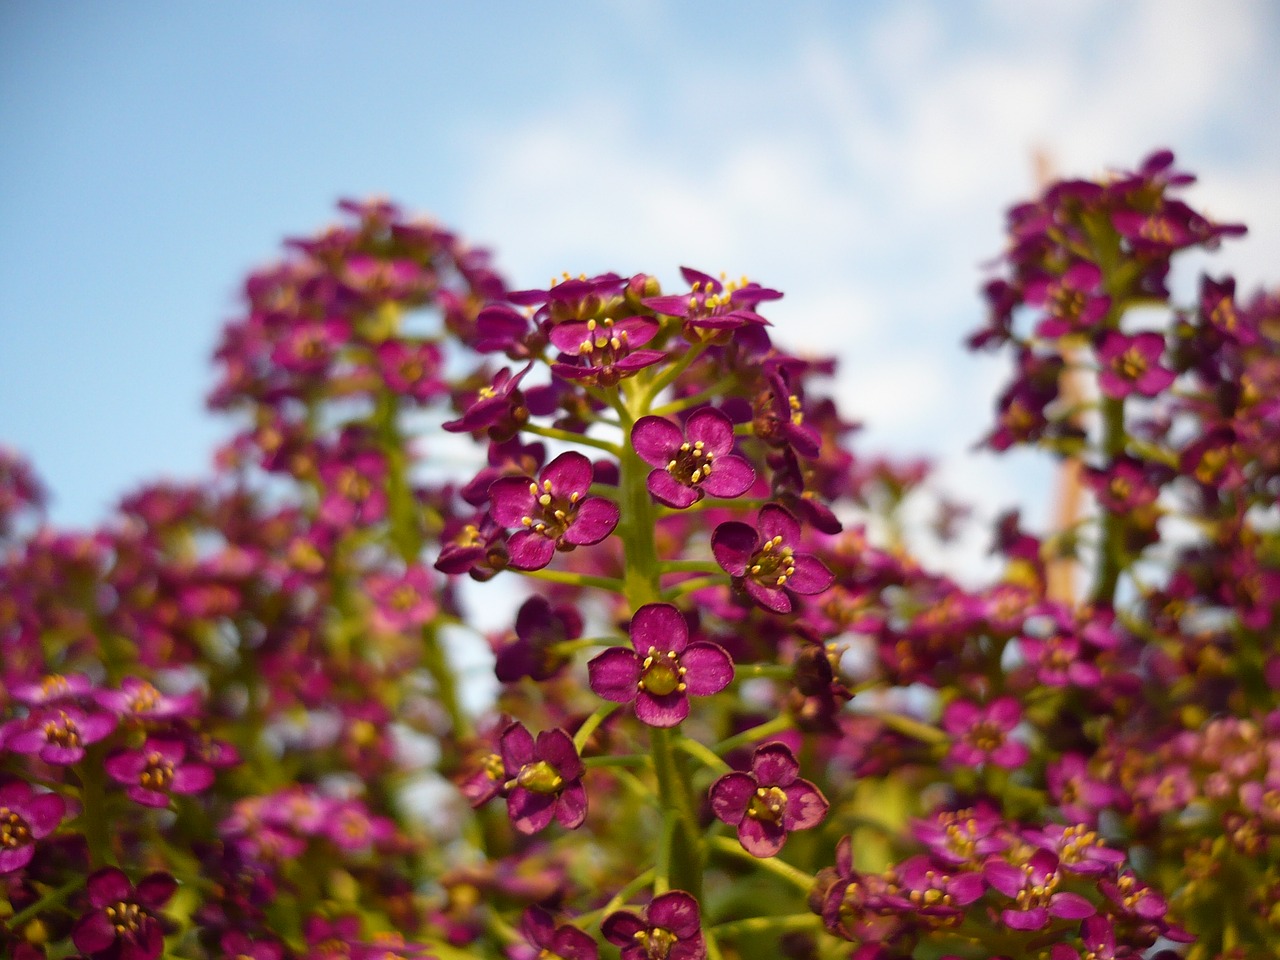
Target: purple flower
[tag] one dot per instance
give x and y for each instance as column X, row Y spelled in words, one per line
column 605, row 349
column 158, row 769
column 566, row 941
column 769, row 802
column 1034, row 888
column 765, row 562
column 59, row 734
column 1069, row 300
column 554, row 512
column 1078, row 849
column 403, row 601
column 123, row 922
column 1132, row 364
column 934, row 891
column 544, row 779
column 1079, row 795
column 779, row 415
column 54, row 688
column 25, row 817
column 539, row 627
column 499, row 407
column 982, row 733
column 138, row 699
column 967, row 836
column 663, row 669
column 671, row 929
column 692, row 462
column 713, row 308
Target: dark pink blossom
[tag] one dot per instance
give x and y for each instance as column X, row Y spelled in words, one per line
column 58, row 734
column 138, row 699
column 54, row 688
column 544, row 779
column 935, row 891
column 552, row 513
column 566, row 941
column 25, row 817
column 669, row 929
column 1131, row 364
column 769, row 802
column 401, row 602
column 498, row 408
column 539, row 627
column 691, row 462
column 982, row 733
column 663, row 670
column 713, row 306
column 122, row 923
column 604, row 351
column 1034, row 888
column 157, row 770
column 763, row 560
column 1078, row 849
column 1070, row 301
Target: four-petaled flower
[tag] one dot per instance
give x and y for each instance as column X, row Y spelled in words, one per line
column 663, row 669
column 157, row 770
column 765, row 562
column 769, row 802
column 1034, row 889
column 552, row 513
column 605, row 349
column 566, row 942
column 982, row 733
column 1132, row 364
column 671, row 929
column 59, row 734
column 544, row 779
column 25, row 817
column 692, row 462
column 123, row 922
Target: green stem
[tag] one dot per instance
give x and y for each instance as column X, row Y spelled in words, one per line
column 909, row 726
column 700, row 753
column 437, row 664
column 702, row 396
column 757, row 925
column 553, row 433
column 675, row 796
column 1111, row 545
column 761, row 731
column 627, row 760
column 574, row 579
column 690, row 566
column 590, row 724
column 619, row 899
column 93, row 812
column 669, row 375
column 688, row 586
column 52, row 899
column 797, row 878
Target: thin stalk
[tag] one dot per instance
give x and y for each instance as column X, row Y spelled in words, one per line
column 567, row 436
column 574, row 579
column 797, row 878
column 759, row 732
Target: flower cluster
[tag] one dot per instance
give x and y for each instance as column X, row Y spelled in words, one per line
column 732, row 713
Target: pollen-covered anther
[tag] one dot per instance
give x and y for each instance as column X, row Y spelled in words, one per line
column 545, row 499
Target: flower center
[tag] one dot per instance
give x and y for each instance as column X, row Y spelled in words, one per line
column 144, row 699
column 662, row 673
column 773, row 564
column 62, row 732
column 656, row 941
column 14, row 831
column 986, row 736
column 1131, row 364
column 555, row 514
column 767, row 804
column 691, row 464
column 158, row 773
column 353, row 486
column 126, row 916
column 540, row 777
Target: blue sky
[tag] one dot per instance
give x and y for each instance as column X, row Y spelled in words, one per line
column 856, row 155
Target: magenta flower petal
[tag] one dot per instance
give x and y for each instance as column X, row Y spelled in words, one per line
column 811, row 576
column 614, row 673
column 731, row 796
column 94, row 933
column 661, row 626
column 761, row 838
column 776, row 521
column 1070, row 906
column 733, row 544
column 666, row 710
column 571, row 808
column 516, row 745
column 155, row 889
column 529, row 551
column 771, row 598
column 774, row 765
column 732, row 477
column 676, row 911
column 596, row 519
column 621, row 928
column 654, row 439
column 713, row 428
column 529, row 811
column 1033, row 919
column 1003, row 876
column 709, row 668
column 668, row 492
column 806, row 806
column 569, row 473
column 511, row 500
